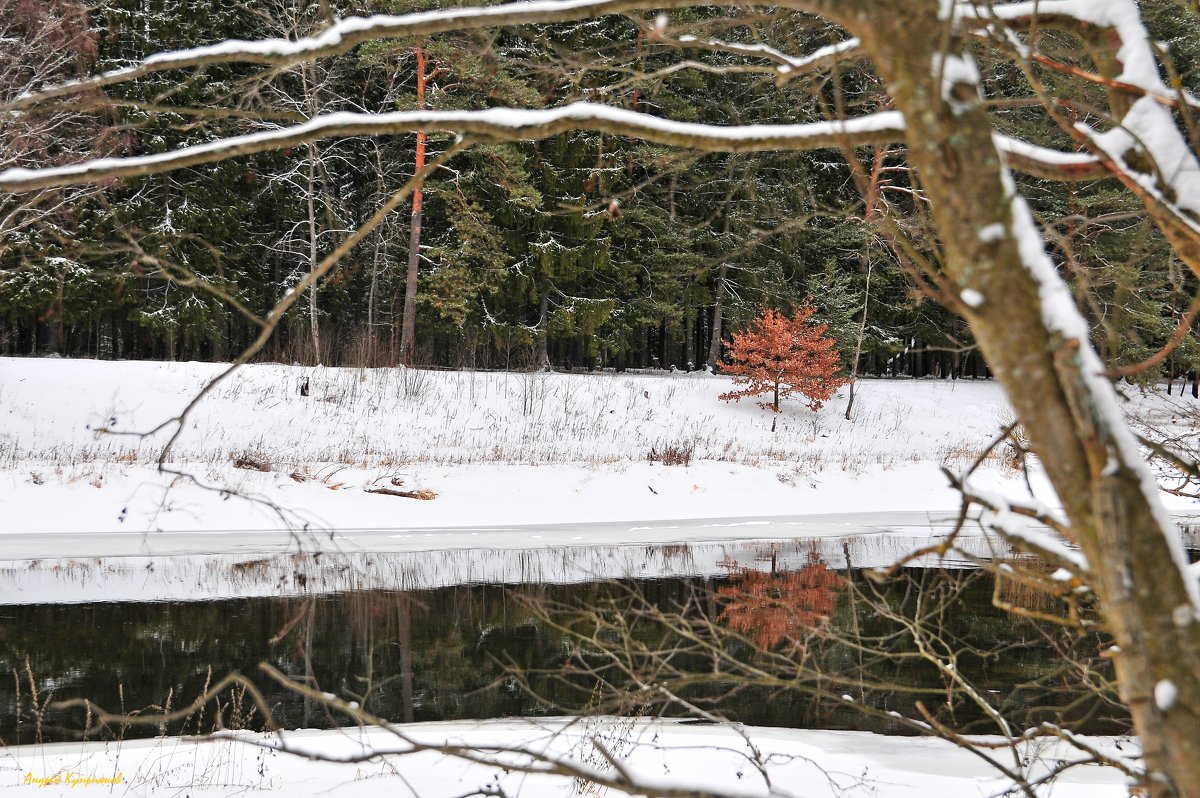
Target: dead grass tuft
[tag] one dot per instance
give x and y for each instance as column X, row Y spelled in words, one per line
column 251, row 461
column 672, row 454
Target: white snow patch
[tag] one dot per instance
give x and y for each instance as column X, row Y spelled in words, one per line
column 971, row 297
column 517, row 460
column 659, row 753
column 993, row 232
column 500, row 449
column 955, row 70
column 1165, row 695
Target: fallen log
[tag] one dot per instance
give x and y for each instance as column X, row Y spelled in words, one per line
column 425, row 494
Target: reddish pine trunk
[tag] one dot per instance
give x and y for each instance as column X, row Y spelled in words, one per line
column 409, row 324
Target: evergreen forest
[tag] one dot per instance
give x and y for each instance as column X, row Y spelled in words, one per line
column 580, row 251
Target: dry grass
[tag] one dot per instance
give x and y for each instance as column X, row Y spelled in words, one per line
column 251, row 461
column 672, row 454
column 391, row 418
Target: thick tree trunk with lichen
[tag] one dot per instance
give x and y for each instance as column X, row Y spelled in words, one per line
column 1146, row 604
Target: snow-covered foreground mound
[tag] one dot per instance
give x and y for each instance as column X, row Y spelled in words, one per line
column 812, row 764
column 471, row 450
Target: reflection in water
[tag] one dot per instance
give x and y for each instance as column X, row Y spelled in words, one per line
column 779, row 607
column 480, row 651
column 205, row 577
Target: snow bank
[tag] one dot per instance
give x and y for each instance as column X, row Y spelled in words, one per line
column 814, row 764
column 500, row 450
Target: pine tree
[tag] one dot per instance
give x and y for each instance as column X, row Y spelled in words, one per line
column 785, row 356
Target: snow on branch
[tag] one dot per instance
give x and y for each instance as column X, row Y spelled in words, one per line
column 787, row 66
column 346, row 34
column 512, row 124
column 1049, row 164
column 499, row 123
column 1145, row 148
column 1064, row 320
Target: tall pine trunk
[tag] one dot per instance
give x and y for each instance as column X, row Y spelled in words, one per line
column 314, row 326
column 408, row 338
column 689, row 347
column 313, row 108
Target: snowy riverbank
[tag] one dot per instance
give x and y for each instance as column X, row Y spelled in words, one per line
column 802, row 763
column 499, row 451
column 532, row 478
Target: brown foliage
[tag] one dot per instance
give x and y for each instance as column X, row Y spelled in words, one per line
column 774, row 608
column 784, row 356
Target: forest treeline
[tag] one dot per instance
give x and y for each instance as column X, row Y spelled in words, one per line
column 578, row 251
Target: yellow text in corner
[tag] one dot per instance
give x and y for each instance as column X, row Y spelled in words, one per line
column 71, row 780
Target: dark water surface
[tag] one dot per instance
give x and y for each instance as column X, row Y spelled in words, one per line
column 490, row 650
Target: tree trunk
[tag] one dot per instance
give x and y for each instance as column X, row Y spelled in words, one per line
column 408, row 338
column 862, row 331
column 314, row 328
column 376, row 261
column 1043, row 357
column 714, row 345
column 689, row 350
column 372, row 339
column 543, row 334
column 314, row 108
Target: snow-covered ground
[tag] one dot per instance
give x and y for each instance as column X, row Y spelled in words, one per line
column 501, row 451
column 528, row 478
column 812, row 764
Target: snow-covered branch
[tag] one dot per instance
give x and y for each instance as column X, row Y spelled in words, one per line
column 498, row 123
column 346, row 34
column 517, row 124
column 1145, row 148
column 787, row 66
column 1049, row 164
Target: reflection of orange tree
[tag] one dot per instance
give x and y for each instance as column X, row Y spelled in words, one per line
column 779, row 607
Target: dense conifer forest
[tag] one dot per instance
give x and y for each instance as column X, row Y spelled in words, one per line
column 578, row 251
column 793, row 194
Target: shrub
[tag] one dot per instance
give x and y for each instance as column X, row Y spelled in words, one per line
column 784, row 356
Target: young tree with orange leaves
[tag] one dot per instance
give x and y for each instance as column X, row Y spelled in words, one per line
column 784, row 356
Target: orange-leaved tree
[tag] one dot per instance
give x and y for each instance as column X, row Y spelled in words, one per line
column 784, row 356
